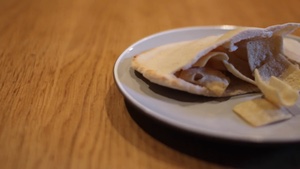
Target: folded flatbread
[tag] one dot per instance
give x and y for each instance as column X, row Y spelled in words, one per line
column 222, row 65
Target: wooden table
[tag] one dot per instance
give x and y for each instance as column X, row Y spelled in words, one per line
column 60, row 107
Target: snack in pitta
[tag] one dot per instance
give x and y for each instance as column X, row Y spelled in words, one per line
column 276, row 91
column 222, row 65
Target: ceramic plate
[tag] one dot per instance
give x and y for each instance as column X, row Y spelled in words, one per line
column 197, row 114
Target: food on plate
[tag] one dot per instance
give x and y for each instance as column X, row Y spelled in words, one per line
column 222, row 65
column 240, row 61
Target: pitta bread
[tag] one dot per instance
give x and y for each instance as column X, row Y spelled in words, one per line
column 253, row 48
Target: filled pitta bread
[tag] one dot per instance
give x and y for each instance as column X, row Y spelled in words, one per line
column 222, row 65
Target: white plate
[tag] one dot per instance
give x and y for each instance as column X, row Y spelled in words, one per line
column 197, row 114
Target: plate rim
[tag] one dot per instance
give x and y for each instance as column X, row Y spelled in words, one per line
column 174, row 123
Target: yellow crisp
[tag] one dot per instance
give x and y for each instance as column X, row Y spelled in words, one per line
column 276, row 91
column 259, row 112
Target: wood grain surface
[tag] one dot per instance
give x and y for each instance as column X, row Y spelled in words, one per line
column 61, row 109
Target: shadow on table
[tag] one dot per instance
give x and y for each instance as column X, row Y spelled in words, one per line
column 133, row 125
column 223, row 152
